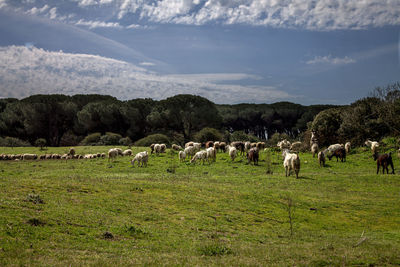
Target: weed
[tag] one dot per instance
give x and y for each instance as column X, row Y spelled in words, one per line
column 215, row 249
column 34, row 198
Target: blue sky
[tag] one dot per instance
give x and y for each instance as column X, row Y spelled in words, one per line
column 253, row 51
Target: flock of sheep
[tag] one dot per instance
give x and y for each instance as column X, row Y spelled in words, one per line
column 198, row 152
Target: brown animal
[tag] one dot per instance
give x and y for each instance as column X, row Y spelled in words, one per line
column 338, row 153
column 209, row 144
column 252, row 156
column 383, row 160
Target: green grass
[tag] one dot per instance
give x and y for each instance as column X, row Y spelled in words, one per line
column 92, row 212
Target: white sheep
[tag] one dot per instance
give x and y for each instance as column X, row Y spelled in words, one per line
column 373, row 145
column 347, row 147
column 126, row 152
column 189, row 144
column 314, row 149
column 201, row 155
column 157, row 148
column 197, row 146
column 163, row 147
column 119, row 151
column 291, row 162
column 189, row 151
column 321, row 158
column 232, row 152
column 295, row 146
column 284, row 144
column 211, row 154
column 112, row 154
column 141, row 158
column 333, row 148
column 182, row 156
column 71, row 151
column 29, row 156
column 176, row 147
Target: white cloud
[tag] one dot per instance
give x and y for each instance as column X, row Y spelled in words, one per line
column 331, row 60
column 26, row 71
column 98, row 24
column 320, row 15
column 36, row 11
column 149, row 64
column 312, row 15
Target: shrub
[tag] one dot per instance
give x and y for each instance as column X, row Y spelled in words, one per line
column 208, row 134
column 91, row 139
column 215, row 250
column 126, row 141
column 242, row 136
column 110, row 139
column 70, row 139
column 390, row 142
column 153, row 139
column 13, row 142
column 40, row 142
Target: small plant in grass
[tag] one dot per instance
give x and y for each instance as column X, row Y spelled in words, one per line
column 289, row 206
column 136, row 232
column 34, row 198
column 268, row 162
column 215, row 249
column 36, row 222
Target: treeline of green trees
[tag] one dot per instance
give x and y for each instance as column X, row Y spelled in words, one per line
column 99, row 119
column 373, row 117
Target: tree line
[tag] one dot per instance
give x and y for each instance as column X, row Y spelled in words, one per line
column 65, row 120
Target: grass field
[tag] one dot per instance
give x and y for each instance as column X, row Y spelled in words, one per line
column 92, row 212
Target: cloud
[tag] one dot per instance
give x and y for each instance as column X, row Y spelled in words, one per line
column 331, row 60
column 26, row 71
column 149, row 64
column 321, row 15
column 98, row 24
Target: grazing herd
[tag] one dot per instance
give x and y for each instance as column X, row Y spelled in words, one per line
column 207, row 152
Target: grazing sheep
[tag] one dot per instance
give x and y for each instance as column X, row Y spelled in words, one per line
column 189, row 144
column 189, row 151
column 314, row 149
column 182, row 156
column 232, row 152
column 42, row 157
column 216, row 145
column 201, row 155
column 112, row 154
column 347, row 147
column 373, row 145
column 126, row 152
column 260, row 145
column 71, row 151
column 152, row 148
column 338, row 153
column 157, row 148
column 313, row 139
column 383, row 160
column 29, row 156
column 239, row 146
column 291, row 162
column 295, row 146
column 252, row 156
column 141, row 158
column 254, row 144
column 321, row 158
column 284, row 144
column 222, row 146
column 247, row 146
column 209, row 144
column 197, row 146
column 211, row 154
column 176, row 147
column 163, row 147
column 333, row 148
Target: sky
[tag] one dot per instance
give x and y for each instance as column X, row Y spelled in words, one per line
column 243, row 51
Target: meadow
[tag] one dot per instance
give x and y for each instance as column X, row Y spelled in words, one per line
column 95, row 212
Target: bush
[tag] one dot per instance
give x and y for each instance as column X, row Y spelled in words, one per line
column 70, row 139
column 40, row 142
column 91, row 139
column 242, row 136
column 13, row 142
column 110, row 139
column 276, row 137
column 208, row 134
column 153, row 139
column 126, row 141
column 390, row 142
